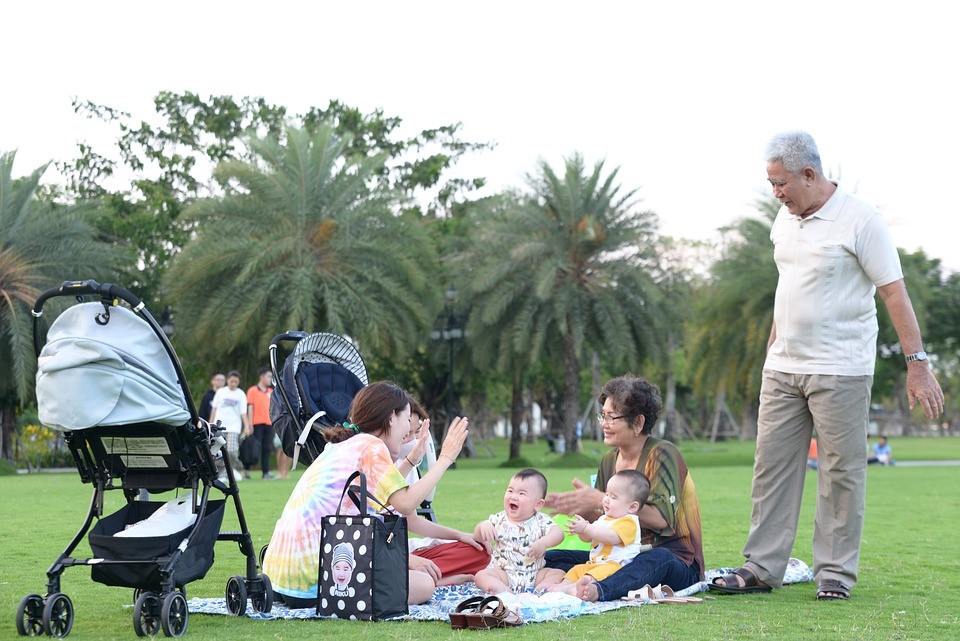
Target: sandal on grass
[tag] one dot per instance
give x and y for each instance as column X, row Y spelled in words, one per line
column 458, row 618
column 492, row 613
column 832, row 590
column 665, row 594
column 751, row 584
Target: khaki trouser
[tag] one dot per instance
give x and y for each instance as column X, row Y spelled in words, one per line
column 791, row 406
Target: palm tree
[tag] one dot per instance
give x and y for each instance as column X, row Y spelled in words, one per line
column 734, row 313
column 564, row 271
column 41, row 245
column 301, row 241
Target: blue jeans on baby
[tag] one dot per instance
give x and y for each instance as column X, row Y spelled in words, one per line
column 653, row 567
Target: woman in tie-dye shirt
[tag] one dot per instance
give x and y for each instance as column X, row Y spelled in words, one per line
column 379, row 421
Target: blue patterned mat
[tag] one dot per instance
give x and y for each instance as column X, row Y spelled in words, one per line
column 533, row 608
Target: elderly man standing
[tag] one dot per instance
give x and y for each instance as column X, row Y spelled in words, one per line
column 833, row 251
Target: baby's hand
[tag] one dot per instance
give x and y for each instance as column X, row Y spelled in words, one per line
column 486, row 532
column 577, row 525
column 537, row 550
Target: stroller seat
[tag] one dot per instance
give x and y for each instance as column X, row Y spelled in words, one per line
column 329, row 388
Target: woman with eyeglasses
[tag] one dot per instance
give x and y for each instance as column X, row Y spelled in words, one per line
column 670, row 519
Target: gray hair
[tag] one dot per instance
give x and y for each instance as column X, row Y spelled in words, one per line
column 796, row 150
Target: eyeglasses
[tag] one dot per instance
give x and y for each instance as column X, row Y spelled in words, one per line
column 609, row 418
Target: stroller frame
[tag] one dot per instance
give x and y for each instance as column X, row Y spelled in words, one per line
column 346, row 356
column 190, row 464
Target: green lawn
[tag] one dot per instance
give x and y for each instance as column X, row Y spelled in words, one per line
column 910, row 564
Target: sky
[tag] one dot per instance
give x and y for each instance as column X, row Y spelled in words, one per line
column 681, row 96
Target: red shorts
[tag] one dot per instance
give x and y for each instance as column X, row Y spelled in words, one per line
column 456, row 558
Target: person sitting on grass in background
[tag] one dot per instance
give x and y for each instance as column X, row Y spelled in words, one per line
column 882, row 452
column 521, row 534
column 615, row 535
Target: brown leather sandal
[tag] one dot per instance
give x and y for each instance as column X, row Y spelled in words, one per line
column 751, row 584
column 458, row 618
column 491, row 614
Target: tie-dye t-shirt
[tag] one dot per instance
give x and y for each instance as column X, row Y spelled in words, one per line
column 671, row 492
column 293, row 559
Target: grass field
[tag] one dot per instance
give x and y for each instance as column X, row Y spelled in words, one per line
column 909, row 574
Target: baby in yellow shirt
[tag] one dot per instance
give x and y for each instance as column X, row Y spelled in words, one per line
column 615, row 535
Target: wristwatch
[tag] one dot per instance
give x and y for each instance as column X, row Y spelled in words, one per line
column 919, row 356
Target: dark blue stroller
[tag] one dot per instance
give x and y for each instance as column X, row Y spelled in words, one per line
column 318, row 382
column 319, row 379
column 108, row 378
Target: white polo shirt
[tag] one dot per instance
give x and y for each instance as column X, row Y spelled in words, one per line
column 830, row 265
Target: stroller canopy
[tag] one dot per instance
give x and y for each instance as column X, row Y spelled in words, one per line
column 117, row 373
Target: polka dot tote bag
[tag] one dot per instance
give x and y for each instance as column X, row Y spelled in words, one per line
column 363, row 561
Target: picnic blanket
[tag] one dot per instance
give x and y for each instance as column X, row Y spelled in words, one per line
column 533, row 607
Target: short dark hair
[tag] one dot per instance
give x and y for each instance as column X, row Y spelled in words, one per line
column 530, row 473
column 633, row 396
column 262, row 371
column 637, row 482
column 417, row 408
column 234, row 372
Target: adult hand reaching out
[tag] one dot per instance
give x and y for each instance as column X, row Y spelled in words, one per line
column 423, row 439
column 583, row 500
column 456, row 435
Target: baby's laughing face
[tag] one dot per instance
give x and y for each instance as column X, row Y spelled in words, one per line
column 523, row 499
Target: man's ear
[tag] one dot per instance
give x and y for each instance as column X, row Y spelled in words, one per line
column 809, row 173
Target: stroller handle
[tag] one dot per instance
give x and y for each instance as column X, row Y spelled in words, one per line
column 84, row 288
column 291, row 336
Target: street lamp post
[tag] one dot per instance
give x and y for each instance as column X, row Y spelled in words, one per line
column 451, row 333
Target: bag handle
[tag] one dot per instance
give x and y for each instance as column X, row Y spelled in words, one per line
column 360, row 501
column 359, row 496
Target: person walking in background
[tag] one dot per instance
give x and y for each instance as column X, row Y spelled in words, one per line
column 230, row 408
column 833, row 252
column 217, row 381
column 258, row 415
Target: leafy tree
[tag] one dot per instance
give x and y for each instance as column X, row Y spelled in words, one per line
column 301, row 240
column 41, row 245
column 567, row 268
column 734, row 312
column 159, row 168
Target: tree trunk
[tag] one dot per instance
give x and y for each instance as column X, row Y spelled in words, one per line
column 595, row 371
column 516, row 418
column 571, row 389
column 670, row 406
column 8, row 432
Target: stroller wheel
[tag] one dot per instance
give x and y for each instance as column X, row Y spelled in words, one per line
column 146, row 615
column 174, row 615
column 236, row 596
column 30, row 616
column 263, row 601
column 58, row 615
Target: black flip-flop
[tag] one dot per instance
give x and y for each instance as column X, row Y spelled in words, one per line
column 751, row 584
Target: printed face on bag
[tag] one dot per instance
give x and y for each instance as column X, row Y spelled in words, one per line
column 523, row 498
column 342, row 573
